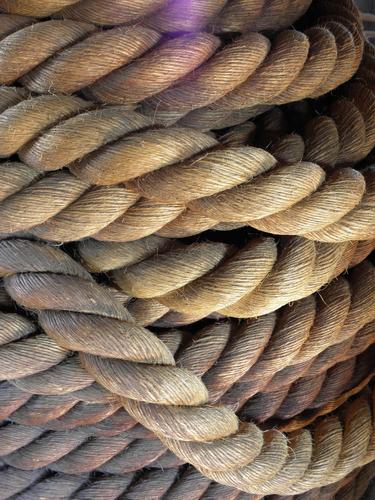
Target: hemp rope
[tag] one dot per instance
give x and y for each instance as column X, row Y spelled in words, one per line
column 212, row 277
column 298, row 461
column 169, row 15
column 79, row 452
column 344, row 135
column 292, row 347
column 84, row 449
column 142, row 451
column 246, row 72
column 175, row 386
column 189, row 485
column 67, row 377
column 58, row 206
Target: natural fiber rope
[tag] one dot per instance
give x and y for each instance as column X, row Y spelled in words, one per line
column 343, row 136
column 294, row 346
column 79, row 451
column 181, row 387
column 306, row 360
column 227, row 184
column 169, row 15
column 247, row 72
column 84, row 449
column 211, row 277
column 188, row 485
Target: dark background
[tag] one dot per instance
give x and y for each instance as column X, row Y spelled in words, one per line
column 366, row 5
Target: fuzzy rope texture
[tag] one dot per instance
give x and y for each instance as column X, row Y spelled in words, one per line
column 208, row 277
column 187, row 485
column 344, row 135
column 112, row 450
column 231, row 446
column 170, row 76
column 61, row 375
column 168, row 15
column 218, row 341
column 217, row 183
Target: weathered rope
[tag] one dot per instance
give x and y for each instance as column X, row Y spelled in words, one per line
column 246, row 72
column 167, row 15
column 285, row 347
column 171, row 485
column 215, row 184
column 299, row 461
column 82, row 450
column 344, row 135
column 205, row 277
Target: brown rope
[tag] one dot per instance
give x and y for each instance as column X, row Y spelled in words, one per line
column 188, row 485
column 79, row 451
column 166, row 15
column 246, row 72
column 284, row 348
column 175, row 386
column 331, row 140
column 57, row 207
column 256, row 279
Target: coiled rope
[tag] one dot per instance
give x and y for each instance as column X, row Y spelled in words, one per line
column 186, row 428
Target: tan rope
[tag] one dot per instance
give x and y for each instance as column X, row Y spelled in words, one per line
column 165, row 386
column 247, row 72
column 254, row 280
column 167, row 15
column 189, row 485
column 279, row 349
column 154, row 161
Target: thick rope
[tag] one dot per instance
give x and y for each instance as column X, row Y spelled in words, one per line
column 171, row 485
column 58, row 206
column 169, row 15
column 245, row 94
column 205, row 277
column 231, row 461
column 331, row 140
column 247, row 72
column 82, row 450
column 285, row 347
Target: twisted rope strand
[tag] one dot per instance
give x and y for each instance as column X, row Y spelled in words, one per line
column 254, row 280
column 226, row 366
column 302, row 206
column 29, row 447
column 139, row 380
column 317, row 62
column 186, row 485
column 166, row 15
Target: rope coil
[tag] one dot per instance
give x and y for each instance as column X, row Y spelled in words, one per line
column 207, row 328
column 188, row 440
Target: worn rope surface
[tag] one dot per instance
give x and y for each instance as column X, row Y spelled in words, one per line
column 186, row 485
column 167, row 15
column 176, row 386
column 257, row 365
column 205, row 277
column 283, row 351
column 244, row 73
column 216, row 184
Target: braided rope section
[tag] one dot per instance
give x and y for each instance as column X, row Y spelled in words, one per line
column 130, row 361
column 216, row 183
column 169, row 15
column 191, row 71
